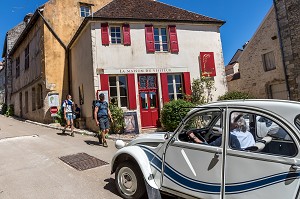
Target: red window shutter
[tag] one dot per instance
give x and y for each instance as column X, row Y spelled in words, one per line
column 126, row 35
column 187, row 83
column 104, row 34
column 164, row 87
column 104, row 82
column 173, row 39
column 131, row 91
column 207, row 60
column 149, row 33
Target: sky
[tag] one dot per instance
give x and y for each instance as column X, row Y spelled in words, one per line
column 242, row 17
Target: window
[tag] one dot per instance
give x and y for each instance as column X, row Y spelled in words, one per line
column 161, row 40
column 85, row 10
column 33, row 99
column 17, row 67
column 40, row 99
column 27, row 57
column 118, row 90
column 175, row 86
column 206, row 126
column 26, row 102
column 115, row 35
column 269, row 137
column 269, row 61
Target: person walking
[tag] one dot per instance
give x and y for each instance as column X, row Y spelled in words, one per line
column 68, row 106
column 102, row 115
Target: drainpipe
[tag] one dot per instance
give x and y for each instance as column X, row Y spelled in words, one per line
column 282, row 53
column 62, row 44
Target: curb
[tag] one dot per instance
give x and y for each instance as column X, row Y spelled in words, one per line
column 77, row 131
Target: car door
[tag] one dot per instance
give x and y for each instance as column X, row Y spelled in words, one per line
column 192, row 169
column 270, row 172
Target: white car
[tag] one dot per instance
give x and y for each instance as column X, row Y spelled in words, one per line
column 174, row 164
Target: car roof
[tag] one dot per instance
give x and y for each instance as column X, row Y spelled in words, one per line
column 285, row 108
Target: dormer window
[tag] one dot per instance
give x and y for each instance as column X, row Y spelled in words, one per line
column 85, row 10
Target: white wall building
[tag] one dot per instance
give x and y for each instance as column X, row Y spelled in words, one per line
column 144, row 59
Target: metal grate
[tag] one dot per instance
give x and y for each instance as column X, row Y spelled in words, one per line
column 82, row 161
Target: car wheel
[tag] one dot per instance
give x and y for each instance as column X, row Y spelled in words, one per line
column 129, row 180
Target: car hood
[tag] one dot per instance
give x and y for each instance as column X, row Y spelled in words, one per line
column 151, row 139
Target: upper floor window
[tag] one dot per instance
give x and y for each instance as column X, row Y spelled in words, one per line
column 175, row 86
column 85, row 10
column 115, row 35
column 27, row 57
column 161, row 40
column 118, row 90
column 269, row 61
column 17, row 67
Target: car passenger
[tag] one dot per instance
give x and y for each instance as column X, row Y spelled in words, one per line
column 240, row 138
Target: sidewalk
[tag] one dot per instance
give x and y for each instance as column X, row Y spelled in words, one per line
column 124, row 137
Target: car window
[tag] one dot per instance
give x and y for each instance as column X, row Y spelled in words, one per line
column 206, row 126
column 258, row 133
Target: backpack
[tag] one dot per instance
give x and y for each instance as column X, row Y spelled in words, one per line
column 101, row 107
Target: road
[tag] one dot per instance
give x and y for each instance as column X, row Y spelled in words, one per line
column 30, row 165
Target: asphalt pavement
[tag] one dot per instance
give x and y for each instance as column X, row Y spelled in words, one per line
column 30, row 165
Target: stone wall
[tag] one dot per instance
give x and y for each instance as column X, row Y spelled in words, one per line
column 254, row 79
column 288, row 17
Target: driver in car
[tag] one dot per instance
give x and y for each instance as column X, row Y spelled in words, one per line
column 240, row 138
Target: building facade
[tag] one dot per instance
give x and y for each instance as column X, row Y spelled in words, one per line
column 288, row 18
column 39, row 56
column 2, row 83
column 261, row 71
column 144, row 59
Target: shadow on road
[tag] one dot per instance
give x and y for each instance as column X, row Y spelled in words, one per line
column 110, row 186
column 90, row 142
column 62, row 134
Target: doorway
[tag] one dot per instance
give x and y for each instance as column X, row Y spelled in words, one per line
column 149, row 105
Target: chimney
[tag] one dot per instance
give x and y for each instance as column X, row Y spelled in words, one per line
column 27, row 18
column 244, row 46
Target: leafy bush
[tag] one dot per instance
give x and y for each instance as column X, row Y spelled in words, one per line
column 117, row 124
column 235, row 95
column 173, row 112
column 4, row 109
column 60, row 118
column 10, row 111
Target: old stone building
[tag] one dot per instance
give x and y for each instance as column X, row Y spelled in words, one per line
column 10, row 40
column 2, row 83
column 39, row 56
column 288, row 18
column 261, row 71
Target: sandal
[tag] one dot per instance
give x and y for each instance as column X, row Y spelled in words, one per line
column 105, row 143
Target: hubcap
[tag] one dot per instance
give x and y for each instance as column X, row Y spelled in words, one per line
column 127, row 181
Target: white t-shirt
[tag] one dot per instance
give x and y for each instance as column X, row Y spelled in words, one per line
column 245, row 138
column 68, row 104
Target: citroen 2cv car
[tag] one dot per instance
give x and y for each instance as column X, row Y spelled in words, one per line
column 173, row 163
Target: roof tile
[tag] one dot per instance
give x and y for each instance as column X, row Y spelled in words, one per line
column 150, row 10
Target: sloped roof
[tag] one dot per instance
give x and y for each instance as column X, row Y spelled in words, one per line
column 150, row 10
column 235, row 56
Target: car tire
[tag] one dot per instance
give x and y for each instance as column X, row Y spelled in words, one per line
column 129, row 180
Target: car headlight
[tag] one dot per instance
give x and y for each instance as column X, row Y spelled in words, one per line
column 120, row 144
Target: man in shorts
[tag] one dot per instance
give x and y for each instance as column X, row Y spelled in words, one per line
column 68, row 106
column 102, row 115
